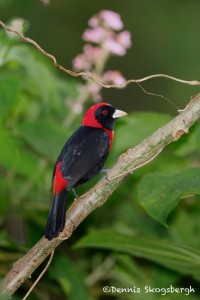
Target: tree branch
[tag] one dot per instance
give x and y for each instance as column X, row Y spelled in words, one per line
column 91, row 76
column 128, row 162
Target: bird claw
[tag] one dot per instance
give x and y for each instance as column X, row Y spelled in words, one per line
column 74, row 192
column 105, row 173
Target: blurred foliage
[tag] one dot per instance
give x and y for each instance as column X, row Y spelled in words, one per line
column 122, row 244
column 165, row 38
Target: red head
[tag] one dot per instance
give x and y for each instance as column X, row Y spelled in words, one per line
column 102, row 115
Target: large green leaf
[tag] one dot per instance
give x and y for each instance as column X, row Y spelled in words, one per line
column 175, row 256
column 65, row 272
column 31, row 73
column 44, row 136
column 127, row 272
column 159, row 193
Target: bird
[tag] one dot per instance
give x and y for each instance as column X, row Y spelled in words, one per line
column 81, row 158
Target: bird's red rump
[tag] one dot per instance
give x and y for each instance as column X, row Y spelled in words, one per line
column 59, row 182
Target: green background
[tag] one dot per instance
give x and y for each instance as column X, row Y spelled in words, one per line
column 147, row 233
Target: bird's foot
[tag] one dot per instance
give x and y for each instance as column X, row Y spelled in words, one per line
column 105, row 173
column 74, row 192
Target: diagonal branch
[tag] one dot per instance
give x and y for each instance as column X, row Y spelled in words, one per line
column 128, row 162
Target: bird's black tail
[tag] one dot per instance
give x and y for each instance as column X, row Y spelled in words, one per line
column 56, row 218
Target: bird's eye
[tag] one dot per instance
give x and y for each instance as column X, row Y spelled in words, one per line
column 105, row 112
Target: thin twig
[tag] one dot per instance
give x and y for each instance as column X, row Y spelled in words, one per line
column 40, row 276
column 91, row 76
column 157, row 95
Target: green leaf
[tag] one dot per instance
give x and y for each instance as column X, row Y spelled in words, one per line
column 185, row 228
column 13, row 157
column 9, row 89
column 175, row 256
column 44, row 136
column 159, row 193
column 64, row 271
column 31, row 72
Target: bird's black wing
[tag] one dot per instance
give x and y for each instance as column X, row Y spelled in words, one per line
column 86, row 149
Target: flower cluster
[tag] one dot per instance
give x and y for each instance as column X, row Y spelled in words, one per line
column 111, row 77
column 103, row 39
column 105, row 33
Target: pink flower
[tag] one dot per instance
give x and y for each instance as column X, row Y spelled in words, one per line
column 81, row 62
column 103, row 33
column 94, row 21
column 17, row 24
column 114, row 77
column 107, row 18
column 114, row 47
column 95, row 35
column 92, row 52
column 111, row 19
column 118, row 43
column 124, row 38
column 94, row 90
column 86, row 60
